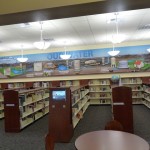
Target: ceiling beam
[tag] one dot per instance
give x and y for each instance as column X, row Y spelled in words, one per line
column 73, row 11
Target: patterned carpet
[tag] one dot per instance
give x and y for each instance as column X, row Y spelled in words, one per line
column 32, row 137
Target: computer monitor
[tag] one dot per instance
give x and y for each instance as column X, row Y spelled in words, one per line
column 59, row 95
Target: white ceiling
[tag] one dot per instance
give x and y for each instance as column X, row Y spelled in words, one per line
column 77, row 31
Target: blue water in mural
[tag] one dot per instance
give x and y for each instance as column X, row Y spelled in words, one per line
column 91, row 53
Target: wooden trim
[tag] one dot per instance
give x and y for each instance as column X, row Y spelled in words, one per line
column 76, row 77
column 73, row 11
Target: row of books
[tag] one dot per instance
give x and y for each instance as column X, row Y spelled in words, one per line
column 99, row 82
column 29, row 109
column 32, row 97
column 92, row 89
column 100, row 94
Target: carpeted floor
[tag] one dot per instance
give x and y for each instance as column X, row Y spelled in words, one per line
column 32, row 137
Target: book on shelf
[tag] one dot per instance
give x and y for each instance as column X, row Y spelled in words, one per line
column 80, row 114
column 92, row 94
column 1, row 111
column 22, row 99
column 21, row 110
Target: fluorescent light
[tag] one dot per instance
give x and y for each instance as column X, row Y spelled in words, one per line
column 65, row 56
column 113, row 52
column 148, row 50
column 42, row 44
column 22, row 59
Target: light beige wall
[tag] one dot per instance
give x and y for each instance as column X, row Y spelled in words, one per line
column 108, row 45
column 13, row 6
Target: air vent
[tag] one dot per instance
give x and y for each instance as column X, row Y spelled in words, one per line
column 144, row 27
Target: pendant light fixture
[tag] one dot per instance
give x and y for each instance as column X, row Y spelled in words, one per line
column 22, row 59
column 65, row 56
column 42, row 44
column 113, row 52
column 115, row 39
column 148, row 50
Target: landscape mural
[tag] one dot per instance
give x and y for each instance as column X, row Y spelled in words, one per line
column 92, row 61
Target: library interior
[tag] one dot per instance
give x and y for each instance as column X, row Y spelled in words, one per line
column 75, row 75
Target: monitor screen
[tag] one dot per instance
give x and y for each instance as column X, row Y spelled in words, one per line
column 59, row 95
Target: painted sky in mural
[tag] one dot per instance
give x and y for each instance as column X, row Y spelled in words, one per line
column 78, row 54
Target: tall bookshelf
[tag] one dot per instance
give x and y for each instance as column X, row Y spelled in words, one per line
column 146, row 95
column 1, row 105
column 137, row 89
column 79, row 97
column 100, row 91
column 12, row 85
column 22, row 108
column 69, row 83
column 80, row 102
column 146, row 91
column 26, row 85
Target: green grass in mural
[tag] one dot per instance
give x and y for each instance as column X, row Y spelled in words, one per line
column 146, row 66
column 131, row 64
column 2, row 70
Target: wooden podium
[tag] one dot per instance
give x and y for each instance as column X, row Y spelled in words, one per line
column 122, row 107
column 60, row 114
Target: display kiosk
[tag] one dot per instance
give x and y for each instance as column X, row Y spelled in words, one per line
column 60, row 114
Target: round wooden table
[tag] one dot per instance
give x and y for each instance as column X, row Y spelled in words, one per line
column 110, row 140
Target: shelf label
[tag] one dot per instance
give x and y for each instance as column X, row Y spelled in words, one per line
column 120, row 103
column 10, row 105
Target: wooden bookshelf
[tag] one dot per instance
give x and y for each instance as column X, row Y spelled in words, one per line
column 12, row 85
column 1, row 105
column 22, row 108
column 80, row 102
column 136, row 85
column 146, row 95
column 69, row 83
column 146, row 80
column 100, row 91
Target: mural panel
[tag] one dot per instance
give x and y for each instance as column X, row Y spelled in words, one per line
column 93, row 61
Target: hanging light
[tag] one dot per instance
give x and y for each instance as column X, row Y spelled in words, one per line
column 65, row 56
column 42, row 44
column 22, row 59
column 115, row 40
column 113, row 52
column 148, row 50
